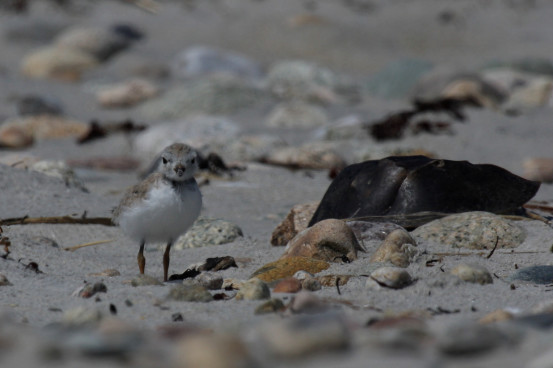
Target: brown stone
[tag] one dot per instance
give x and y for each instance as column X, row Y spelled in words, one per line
column 287, row 267
column 45, row 127
column 497, row 315
column 126, row 94
column 296, row 221
column 15, row 137
column 329, row 240
column 397, row 248
column 288, row 285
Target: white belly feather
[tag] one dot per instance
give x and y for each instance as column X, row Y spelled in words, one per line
column 164, row 215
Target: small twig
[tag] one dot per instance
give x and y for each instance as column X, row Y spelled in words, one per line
column 57, row 220
column 75, row 247
column 338, row 285
column 494, row 248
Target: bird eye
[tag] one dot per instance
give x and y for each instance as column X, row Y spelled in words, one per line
column 164, row 160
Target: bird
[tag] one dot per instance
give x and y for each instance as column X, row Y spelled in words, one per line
column 164, row 205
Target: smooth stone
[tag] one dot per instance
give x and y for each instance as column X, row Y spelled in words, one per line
column 4, row 280
column 198, row 61
column 81, row 317
column 305, row 335
column 536, row 274
column 15, row 137
column 208, row 231
column 210, row 280
column 371, row 234
column 145, row 280
column 213, row 96
column 295, row 222
column 253, row 289
column 288, row 285
column 109, row 272
column 390, row 277
column 473, row 273
column 398, row 248
column 497, row 315
column 190, row 292
column 60, row 63
column 273, row 305
column 539, row 169
column 328, row 240
column 443, row 280
column 397, row 79
column 47, row 126
column 470, row 339
column 126, row 94
column 307, row 302
column 296, row 114
column 213, row 351
column 90, row 290
column 474, row 230
column 536, row 93
column 286, row 267
column 317, row 156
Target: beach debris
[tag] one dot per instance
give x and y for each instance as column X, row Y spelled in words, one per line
column 403, row 185
column 83, row 220
column 96, row 130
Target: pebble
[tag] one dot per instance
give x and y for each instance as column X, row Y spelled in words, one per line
column 474, row 230
column 90, row 290
column 210, row 280
column 473, row 273
column 329, row 240
column 390, row 277
column 311, row 284
column 208, row 231
column 305, row 335
column 126, row 94
column 286, row 267
column 470, row 339
column 4, row 280
column 371, row 234
column 213, row 351
column 15, row 137
column 398, row 248
column 535, row 274
column 497, row 315
column 82, row 316
column 190, row 292
column 288, row 285
column 536, row 93
column 47, row 127
column 253, row 289
column 317, row 156
column 145, row 280
column 539, row 169
column 272, row 305
column 295, row 222
column 307, row 302
column 296, row 114
column 199, row 61
column 60, row 63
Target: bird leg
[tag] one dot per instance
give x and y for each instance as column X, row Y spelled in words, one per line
column 166, row 260
column 141, row 259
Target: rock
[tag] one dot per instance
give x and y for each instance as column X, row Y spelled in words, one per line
column 46, row 127
column 126, row 94
column 311, row 284
column 145, row 280
column 307, row 302
column 474, row 230
column 288, row 285
column 473, row 273
column 212, row 96
column 15, row 137
column 210, row 280
column 190, row 293
column 59, row 63
column 199, row 61
column 497, row 315
column 398, row 248
column 305, row 335
column 371, row 234
column 310, row 156
column 213, row 351
column 196, row 131
column 270, row 306
column 253, row 289
column 217, row 264
column 32, row 105
column 89, row 290
column 286, row 267
column 296, row 221
column 539, row 169
column 390, row 277
column 470, row 339
column 4, row 280
column 296, row 79
column 110, row 272
column 397, row 79
column 296, row 114
column 327, row 240
column 401, row 185
column 535, row 274
column 537, row 92
column 81, row 317
column 208, row 231
column 100, row 43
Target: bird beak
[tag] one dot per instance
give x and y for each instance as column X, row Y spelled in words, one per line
column 180, row 169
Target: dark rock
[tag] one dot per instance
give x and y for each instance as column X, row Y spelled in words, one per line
column 534, row 274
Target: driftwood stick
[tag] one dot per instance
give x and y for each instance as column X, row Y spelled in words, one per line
column 57, row 220
column 75, row 247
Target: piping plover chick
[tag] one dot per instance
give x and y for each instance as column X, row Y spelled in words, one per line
column 164, row 205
